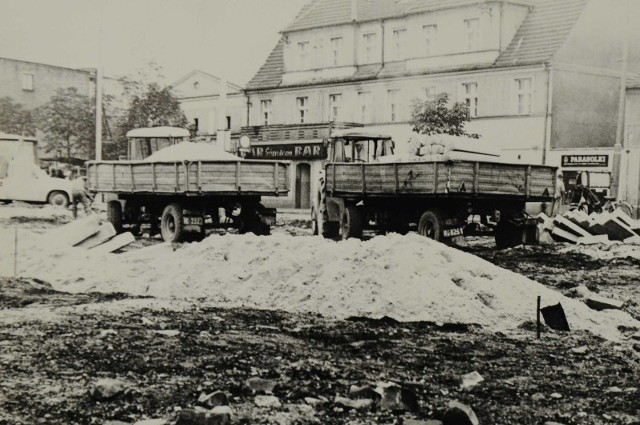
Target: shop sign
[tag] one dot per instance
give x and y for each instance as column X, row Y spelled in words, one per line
column 289, row 151
column 585, row 160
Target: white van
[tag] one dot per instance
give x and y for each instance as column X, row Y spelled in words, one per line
column 22, row 180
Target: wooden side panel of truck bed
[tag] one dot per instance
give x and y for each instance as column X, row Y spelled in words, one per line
column 440, row 178
column 198, row 177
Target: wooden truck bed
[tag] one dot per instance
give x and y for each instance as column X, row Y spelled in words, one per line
column 249, row 177
column 464, row 178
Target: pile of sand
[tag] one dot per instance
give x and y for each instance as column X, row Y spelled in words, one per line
column 405, row 277
column 190, row 151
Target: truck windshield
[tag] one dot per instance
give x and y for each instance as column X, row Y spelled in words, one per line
column 140, row 148
column 355, row 150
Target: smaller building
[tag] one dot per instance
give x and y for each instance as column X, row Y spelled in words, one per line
column 212, row 106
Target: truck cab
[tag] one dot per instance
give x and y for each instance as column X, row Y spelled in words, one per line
column 144, row 142
column 22, row 180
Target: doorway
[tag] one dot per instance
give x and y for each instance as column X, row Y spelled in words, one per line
column 303, row 185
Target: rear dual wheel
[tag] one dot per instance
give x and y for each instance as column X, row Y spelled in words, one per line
column 351, row 223
column 431, row 225
column 171, row 223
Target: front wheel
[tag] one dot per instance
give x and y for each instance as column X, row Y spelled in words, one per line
column 171, row 223
column 58, row 199
column 430, row 225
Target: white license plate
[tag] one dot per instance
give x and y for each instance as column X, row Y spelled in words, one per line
column 197, row 221
column 449, row 233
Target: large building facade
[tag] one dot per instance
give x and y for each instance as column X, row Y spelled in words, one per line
column 214, row 107
column 540, row 78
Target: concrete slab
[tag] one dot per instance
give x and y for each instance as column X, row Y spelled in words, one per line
column 76, row 231
column 546, row 221
column 592, row 240
column 570, row 226
column 114, row 244
column 617, row 230
column 562, row 235
column 105, row 233
column 599, row 303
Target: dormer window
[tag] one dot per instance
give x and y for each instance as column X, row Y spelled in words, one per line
column 430, row 33
column 399, row 42
column 369, row 47
column 303, row 54
column 472, row 33
column 336, row 51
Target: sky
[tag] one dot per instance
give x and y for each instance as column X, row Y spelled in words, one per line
column 226, row 38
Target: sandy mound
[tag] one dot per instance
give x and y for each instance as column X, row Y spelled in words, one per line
column 404, row 277
column 190, row 151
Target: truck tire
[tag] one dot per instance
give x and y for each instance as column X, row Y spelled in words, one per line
column 430, row 225
column 114, row 215
column 351, row 223
column 58, row 199
column 171, row 223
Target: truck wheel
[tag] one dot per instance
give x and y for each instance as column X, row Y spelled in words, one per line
column 351, row 224
column 430, row 225
column 58, row 199
column 171, row 223
column 114, row 215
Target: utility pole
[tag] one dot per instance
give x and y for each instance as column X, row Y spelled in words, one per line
column 99, row 89
column 619, row 145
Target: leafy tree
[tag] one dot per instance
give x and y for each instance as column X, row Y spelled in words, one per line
column 68, row 122
column 434, row 116
column 15, row 119
column 156, row 106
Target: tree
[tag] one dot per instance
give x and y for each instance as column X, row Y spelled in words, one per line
column 156, row 106
column 15, row 119
column 434, row 116
column 68, row 122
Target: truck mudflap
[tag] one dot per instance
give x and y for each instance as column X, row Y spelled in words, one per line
column 267, row 216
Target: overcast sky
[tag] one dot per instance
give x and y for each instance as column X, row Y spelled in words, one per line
column 230, row 37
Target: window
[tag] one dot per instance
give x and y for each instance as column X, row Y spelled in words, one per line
column 303, row 54
column 430, row 33
column 399, row 37
column 523, row 93
column 471, row 98
column 393, row 98
column 302, row 104
column 336, row 51
column 364, row 102
column 265, row 111
column 196, row 124
column 335, row 103
column 228, row 123
column 369, row 47
column 430, row 92
column 27, row 82
column 196, row 85
column 471, row 29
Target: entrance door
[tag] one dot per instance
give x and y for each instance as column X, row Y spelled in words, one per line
column 303, row 186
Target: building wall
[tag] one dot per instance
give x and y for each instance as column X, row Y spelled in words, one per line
column 46, row 80
column 499, row 121
column 401, row 39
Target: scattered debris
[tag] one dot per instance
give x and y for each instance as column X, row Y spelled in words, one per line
column 107, row 388
column 258, row 384
column 470, row 380
column 358, row 404
column 267, row 401
column 459, row 414
column 395, row 397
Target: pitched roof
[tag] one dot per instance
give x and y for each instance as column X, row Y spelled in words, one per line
column 206, row 75
column 270, row 74
column 542, row 32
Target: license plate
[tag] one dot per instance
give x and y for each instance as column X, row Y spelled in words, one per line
column 450, row 233
column 197, row 221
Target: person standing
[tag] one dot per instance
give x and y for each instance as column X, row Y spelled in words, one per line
column 81, row 195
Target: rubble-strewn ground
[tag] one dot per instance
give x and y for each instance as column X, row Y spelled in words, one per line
column 55, row 345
